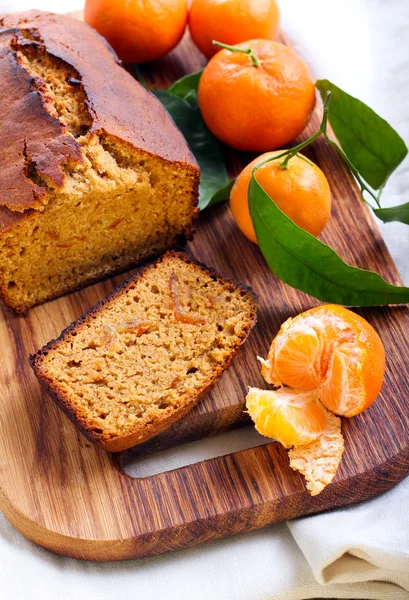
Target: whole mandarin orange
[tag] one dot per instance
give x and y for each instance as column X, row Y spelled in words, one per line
column 232, row 22
column 301, row 191
column 256, row 108
column 138, row 30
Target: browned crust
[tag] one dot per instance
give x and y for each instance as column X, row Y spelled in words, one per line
column 116, row 102
column 28, row 134
column 120, row 443
column 8, row 218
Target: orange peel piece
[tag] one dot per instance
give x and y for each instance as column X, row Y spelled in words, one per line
column 319, row 461
column 180, row 314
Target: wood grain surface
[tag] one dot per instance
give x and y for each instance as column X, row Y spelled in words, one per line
column 72, row 498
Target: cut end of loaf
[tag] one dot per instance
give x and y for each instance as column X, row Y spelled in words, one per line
column 142, row 358
column 117, row 209
column 96, row 178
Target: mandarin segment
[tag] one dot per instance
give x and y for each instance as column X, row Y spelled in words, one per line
column 370, row 369
column 319, row 461
column 294, row 359
column 343, row 389
column 292, row 418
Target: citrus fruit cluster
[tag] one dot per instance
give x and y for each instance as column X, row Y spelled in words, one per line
column 145, row 30
column 327, row 361
column 255, row 94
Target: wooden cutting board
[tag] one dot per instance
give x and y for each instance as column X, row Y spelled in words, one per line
column 72, row 498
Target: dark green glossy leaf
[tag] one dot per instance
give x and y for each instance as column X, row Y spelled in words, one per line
column 203, row 144
column 222, row 194
column 186, row 87
column 302, row 261
column 394, row 213
column 370, row 143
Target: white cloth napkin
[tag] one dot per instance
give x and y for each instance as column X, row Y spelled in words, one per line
column 359, row 552
column 356, row 552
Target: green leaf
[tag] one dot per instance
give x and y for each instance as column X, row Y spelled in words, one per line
column 203, row 144
column 302, row 261
column 394, row 213
column 222, row 194
column 370, row 143
column 186, row 87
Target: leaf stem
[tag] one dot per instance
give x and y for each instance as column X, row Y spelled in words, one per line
column 324, row 122
column 354, row 170
column 304, row 158
column 380, row 192
column 321, row 130
column 248, row 51
column 289, row 154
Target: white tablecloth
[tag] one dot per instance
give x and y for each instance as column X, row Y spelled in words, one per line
column 356, row 552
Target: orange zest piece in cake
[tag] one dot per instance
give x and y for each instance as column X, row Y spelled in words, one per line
column 180, row 314
column 134, row 326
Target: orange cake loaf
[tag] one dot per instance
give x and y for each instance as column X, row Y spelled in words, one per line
column 95, row 176
column 143, row 357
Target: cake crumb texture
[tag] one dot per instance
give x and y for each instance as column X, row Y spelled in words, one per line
column 95, row 175
column 136, row 363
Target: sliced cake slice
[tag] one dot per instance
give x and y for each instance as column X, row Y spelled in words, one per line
column 143, row 357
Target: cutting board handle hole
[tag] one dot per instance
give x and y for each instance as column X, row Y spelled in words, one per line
column 145, row 465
